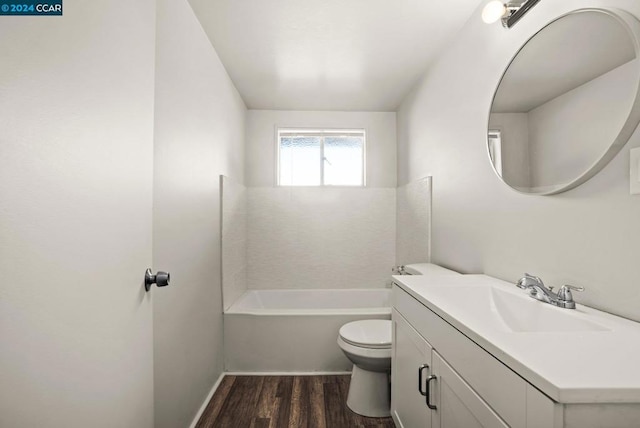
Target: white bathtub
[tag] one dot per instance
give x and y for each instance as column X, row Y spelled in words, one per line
column 296, row 330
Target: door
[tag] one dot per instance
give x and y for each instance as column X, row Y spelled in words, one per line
column 457, row 405
column 76, row 153
column 410, row 362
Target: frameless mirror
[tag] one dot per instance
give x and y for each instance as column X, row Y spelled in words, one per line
column 567, row 102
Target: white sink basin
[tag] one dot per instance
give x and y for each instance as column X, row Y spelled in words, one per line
column 524, row 314
column 513, row 311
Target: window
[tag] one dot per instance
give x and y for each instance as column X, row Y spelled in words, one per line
column 312, row 157
column 495, row 149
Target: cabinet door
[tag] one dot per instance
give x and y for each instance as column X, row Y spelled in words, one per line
column 458, row 406
column 411, row 360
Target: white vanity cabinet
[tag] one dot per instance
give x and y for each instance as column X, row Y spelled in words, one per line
column 454, row 403
column 457, row 404
column 410, row 365
column 470, row 387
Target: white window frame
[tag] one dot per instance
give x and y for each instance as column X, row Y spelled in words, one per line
column 322, row 132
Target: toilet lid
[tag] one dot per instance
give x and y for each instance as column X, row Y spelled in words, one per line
column 367, row 333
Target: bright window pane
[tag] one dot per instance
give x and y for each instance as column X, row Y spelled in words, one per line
column 300, row 161
column 343, row 157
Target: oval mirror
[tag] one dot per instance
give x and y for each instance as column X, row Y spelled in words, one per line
column 567, row 102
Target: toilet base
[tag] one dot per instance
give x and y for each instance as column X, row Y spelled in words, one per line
column 369, row 393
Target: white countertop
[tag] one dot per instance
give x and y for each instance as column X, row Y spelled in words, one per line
column 569, row 366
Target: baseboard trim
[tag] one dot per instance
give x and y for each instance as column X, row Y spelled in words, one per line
column 396, row 421
column 206, row 401
column 288, row 373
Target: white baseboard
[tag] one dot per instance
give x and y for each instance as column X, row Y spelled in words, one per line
column 287, row 373
column 206, row 401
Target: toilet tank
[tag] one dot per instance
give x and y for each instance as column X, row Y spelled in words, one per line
column 427, row 269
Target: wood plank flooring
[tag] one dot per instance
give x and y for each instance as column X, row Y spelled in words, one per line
column 284, row 402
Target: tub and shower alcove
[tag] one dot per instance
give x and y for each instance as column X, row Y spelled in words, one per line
column 298, row 263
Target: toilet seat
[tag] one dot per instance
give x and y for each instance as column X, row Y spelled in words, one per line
column 370, row 334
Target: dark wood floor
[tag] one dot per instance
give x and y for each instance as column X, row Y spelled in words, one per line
column 285, row 402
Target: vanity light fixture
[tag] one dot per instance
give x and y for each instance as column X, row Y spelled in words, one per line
column 509, row 13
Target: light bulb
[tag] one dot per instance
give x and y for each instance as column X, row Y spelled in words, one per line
column 493, row 11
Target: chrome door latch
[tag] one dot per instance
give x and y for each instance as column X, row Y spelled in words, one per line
column 161, row 279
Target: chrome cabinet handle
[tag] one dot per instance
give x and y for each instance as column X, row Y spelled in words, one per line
column 428, row 394
column 420, row 369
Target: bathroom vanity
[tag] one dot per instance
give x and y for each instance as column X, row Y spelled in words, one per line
column 474, row 351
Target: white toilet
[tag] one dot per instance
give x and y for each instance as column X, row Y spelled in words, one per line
column 367, row 344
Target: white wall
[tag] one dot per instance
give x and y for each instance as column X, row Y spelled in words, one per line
column 320, row 237
column 76, row 146
column 413, row 222
column 561, row 151
column 234, row 240
column 314, row 237
column 589, row 236
column 261, row 147
column 199, row 133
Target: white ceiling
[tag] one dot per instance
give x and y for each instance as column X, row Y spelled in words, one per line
column 329, row 54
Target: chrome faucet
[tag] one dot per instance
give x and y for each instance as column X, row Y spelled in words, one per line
column 399, row 270
column 537, row 290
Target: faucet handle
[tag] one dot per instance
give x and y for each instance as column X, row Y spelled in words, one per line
column 565, row 292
